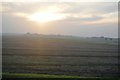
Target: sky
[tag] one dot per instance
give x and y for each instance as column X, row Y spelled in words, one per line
column 86, row 19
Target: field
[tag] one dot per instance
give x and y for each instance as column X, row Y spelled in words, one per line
column 70, row 56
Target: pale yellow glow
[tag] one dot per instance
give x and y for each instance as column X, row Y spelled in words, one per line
column 20, row 14
column 43, row 17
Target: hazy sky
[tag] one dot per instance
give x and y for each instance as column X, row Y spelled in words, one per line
column 70, row 18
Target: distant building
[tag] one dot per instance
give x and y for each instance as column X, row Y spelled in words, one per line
column 102, row 37
column 27, row 33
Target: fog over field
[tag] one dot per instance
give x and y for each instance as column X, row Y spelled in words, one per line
column 59, row 55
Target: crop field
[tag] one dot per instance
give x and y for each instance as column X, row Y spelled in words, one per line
column 70, row 56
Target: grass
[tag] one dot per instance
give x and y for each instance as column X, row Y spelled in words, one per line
column 27, row 75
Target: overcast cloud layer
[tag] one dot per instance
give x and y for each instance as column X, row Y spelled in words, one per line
column 81, row 19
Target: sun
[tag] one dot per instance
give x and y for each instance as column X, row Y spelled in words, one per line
column 43, row 17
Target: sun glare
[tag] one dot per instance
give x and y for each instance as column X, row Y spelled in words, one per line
column 43, row 17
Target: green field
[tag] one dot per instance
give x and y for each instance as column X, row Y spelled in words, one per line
column 44, row 56
column 47, row 76
column 21, row 75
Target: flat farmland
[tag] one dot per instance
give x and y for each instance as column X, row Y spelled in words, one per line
column 71, row 56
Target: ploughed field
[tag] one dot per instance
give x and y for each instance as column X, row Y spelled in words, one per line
column 59, row 55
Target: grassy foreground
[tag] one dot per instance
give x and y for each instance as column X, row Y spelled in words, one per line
column 24, row 75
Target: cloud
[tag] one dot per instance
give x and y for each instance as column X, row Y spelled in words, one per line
column 80, row 18
column 93, row 18
column 76, row 12
column 60, row 1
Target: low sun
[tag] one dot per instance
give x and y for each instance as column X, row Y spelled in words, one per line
column 43, row 17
